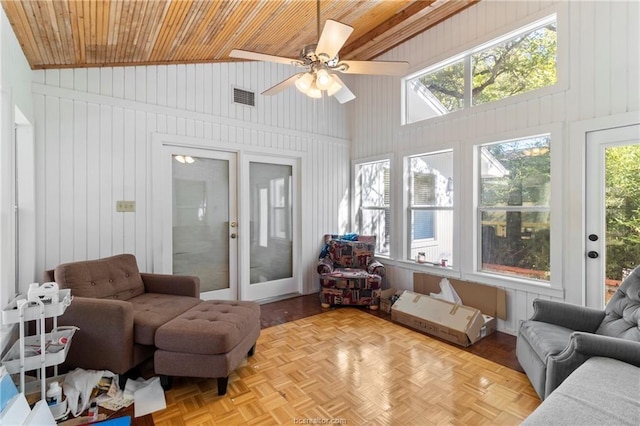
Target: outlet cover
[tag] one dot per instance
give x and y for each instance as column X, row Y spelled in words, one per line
column 125, row 206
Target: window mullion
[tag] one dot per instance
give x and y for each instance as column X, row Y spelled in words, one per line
column 468, row 81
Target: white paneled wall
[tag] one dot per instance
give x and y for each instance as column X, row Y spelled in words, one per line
column 16, row 106
column 598, row 60
column 94, row 134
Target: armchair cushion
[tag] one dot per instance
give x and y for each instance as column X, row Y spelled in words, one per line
column 152, row 310
column 115, row 277
column 622, row 313
column 351, row 254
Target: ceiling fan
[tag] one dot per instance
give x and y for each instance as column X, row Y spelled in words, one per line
column 321, row 64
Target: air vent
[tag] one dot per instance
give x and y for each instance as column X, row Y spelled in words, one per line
column 244, row 97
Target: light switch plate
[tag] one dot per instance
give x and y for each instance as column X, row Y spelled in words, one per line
column 125, row 206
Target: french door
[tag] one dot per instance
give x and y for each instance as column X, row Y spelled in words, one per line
column 270, row 209
column 203, row 220
column 231, row 219
column 612, row 206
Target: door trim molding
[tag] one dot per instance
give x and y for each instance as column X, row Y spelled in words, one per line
column 575, row 193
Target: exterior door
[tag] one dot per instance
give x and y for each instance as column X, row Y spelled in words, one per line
column 204, row 224
column 612, row 210
column 270, row 210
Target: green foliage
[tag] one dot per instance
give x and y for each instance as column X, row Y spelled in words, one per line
column 520, row 238
column 518, row 65
column 622, row 208
column 447, row 84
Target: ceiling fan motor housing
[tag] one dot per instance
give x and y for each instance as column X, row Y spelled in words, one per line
column 309, row 57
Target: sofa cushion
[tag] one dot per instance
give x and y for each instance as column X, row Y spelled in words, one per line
column 115, row 277
column 152, row 310
column 601, row 391
column 545, row 339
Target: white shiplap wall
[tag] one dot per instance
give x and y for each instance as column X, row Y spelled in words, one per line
column 15, row 93
column 598, row 59
column 93, row 144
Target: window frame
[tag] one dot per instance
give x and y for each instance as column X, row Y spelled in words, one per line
column 471, row 268
column 408, row 244
column 558, row 12
column 357, row 199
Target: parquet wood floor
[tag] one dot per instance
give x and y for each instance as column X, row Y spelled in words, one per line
column 346, row 366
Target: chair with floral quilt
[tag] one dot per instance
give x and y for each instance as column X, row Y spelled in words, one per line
column 349, row 273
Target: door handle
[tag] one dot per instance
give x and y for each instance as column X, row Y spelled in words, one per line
column 593, row 254
column 593, row 237
column 234, row 235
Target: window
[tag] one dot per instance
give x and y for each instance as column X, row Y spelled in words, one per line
column 514, row 207
column 522, row 61
column 430, row 206
column 372, row 190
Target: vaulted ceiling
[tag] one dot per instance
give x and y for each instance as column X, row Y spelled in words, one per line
column 89, row 33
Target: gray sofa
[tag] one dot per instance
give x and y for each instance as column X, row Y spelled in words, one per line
column 602, row 391
column 560, row 337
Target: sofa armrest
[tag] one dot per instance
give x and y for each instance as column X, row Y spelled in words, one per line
column 325, row 265
column 178, row 285
column 583, row 346
column 567, row 315
column 104, row 340
column 375, row 267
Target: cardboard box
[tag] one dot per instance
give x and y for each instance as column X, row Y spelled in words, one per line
column 456, row 323
column 488, row 299
column 461, row 324
column 385, row 298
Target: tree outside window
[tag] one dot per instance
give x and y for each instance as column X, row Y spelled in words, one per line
column 372, row 196
column 514, row 207
column 520, row 64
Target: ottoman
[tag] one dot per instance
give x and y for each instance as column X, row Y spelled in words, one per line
column 209, row 340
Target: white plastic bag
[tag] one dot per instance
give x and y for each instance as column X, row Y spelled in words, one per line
column 78, row 385
column 447, row 292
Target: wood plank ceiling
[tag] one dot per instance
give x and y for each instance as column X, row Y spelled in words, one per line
column 90, row 33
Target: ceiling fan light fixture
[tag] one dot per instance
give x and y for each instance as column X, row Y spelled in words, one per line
column 314, row 92
column 323, row 79
column 304, row 83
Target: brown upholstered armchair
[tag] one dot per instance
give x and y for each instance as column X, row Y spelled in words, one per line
column 118, row 310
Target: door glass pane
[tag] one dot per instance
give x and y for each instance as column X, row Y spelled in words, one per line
column 622, row 208
column 271, row 256
column 201, row 220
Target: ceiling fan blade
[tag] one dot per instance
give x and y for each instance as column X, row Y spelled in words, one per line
column 343, row 95
column 375, row 67
column 255, row 56
column 273, row 90
column 334, row 35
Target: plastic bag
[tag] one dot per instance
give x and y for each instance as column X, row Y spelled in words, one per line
column 78, row 385
column 447, row 292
